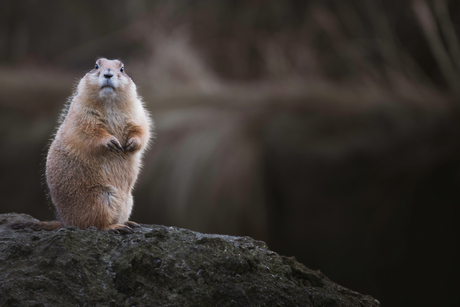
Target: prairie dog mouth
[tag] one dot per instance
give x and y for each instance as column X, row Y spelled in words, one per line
column 108, row 84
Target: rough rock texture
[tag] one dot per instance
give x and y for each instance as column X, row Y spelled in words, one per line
column 155, row 266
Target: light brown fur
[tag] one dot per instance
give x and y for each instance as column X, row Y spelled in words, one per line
column 95, row 157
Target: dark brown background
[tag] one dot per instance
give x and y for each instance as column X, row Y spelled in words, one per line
column 328, row 129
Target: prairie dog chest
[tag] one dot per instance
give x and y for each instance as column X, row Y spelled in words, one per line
column 116, row 122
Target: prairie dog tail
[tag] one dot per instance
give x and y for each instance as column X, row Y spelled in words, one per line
column 51, row 225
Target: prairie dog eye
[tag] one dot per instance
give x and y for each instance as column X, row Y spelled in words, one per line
column 96, row 67
column 122, row 69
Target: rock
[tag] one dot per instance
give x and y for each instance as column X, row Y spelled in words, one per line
column 155, row 266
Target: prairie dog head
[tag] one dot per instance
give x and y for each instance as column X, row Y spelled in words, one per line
column 107, row 80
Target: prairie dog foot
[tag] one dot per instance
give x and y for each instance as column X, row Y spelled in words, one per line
column 119, row 229
column 132, row 224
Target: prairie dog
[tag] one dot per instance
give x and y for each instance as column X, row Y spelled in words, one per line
column 95, row 157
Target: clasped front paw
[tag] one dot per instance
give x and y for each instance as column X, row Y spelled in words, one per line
column 132, row 144
column 114, row 145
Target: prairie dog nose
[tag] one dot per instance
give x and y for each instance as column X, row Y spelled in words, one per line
column 108, row 74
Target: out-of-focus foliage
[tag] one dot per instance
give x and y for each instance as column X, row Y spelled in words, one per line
column 378, row 41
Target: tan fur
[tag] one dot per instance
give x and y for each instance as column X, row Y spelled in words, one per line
column 95, row 157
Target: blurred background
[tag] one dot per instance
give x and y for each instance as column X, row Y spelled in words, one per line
column 329, row 129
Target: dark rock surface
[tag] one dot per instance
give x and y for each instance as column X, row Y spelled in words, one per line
column 155, row 266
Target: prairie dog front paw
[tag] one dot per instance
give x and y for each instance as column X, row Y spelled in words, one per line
column 132, row 144
column 114, row 145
